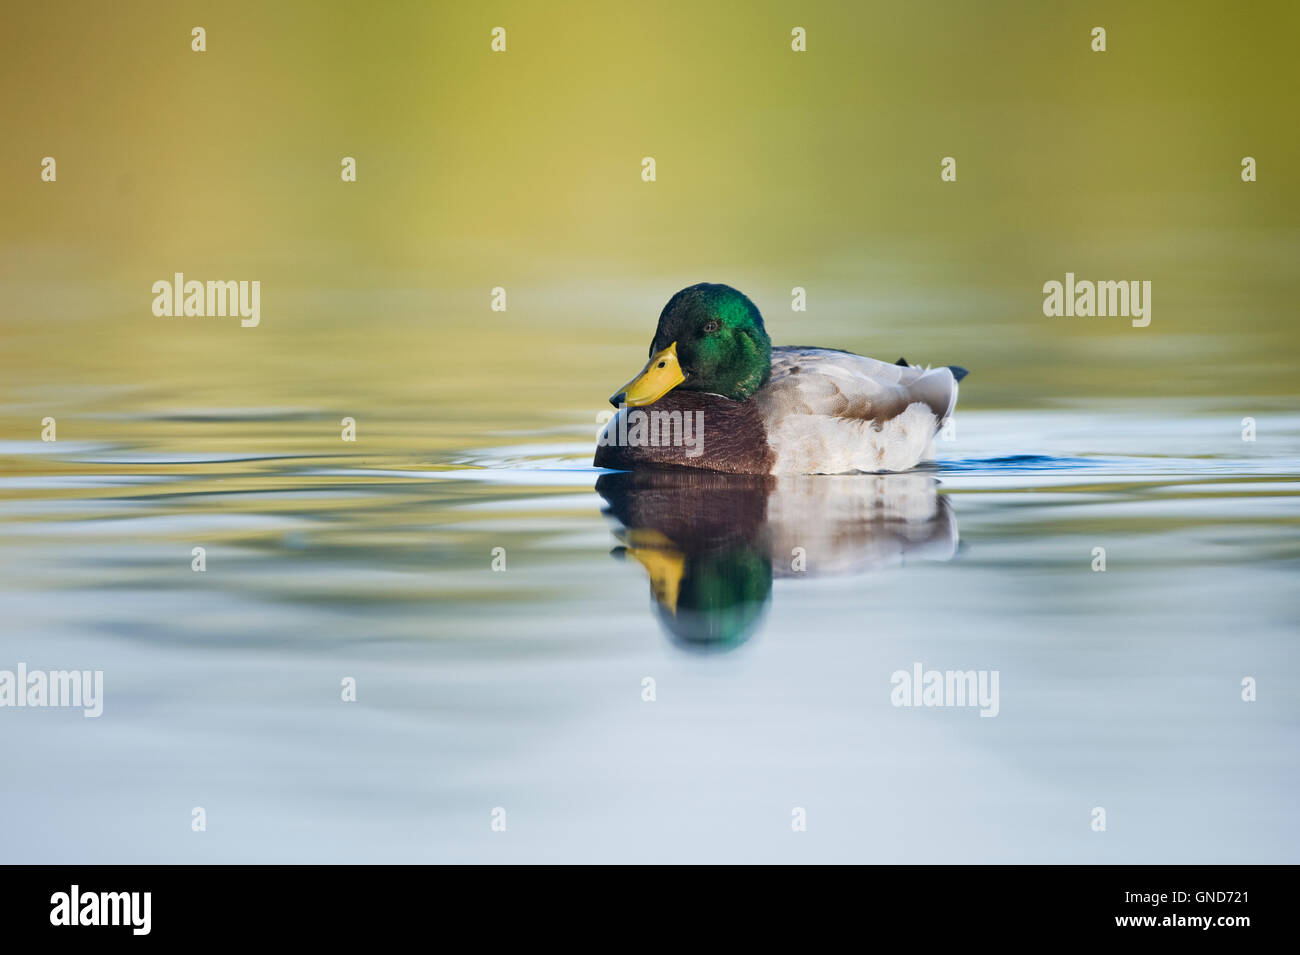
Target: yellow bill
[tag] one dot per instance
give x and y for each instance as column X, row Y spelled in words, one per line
column 665, row 564
column 661, row 375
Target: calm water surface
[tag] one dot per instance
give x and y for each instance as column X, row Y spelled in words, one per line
column 770, row 619
column 522, row 688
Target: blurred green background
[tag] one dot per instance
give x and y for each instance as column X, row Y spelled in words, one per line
column 523, row 170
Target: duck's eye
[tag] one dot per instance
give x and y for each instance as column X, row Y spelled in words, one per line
column 662, row 364
column 711, row 326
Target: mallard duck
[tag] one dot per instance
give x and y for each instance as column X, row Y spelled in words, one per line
column 715, row 395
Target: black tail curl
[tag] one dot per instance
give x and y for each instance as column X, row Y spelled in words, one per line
column 958, row 372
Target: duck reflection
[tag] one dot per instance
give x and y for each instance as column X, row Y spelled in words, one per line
column 712, row 543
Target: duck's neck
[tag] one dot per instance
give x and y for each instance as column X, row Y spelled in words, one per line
column 748, row 372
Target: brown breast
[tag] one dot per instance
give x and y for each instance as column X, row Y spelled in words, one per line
column 687, row 430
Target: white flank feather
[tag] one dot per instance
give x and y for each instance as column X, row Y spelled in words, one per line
column 830, row 412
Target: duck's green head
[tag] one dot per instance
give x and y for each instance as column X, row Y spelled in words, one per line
column 710, row 339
